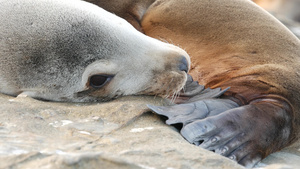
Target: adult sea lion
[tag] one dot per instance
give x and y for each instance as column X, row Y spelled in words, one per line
column 75, row 51
column 236, row 44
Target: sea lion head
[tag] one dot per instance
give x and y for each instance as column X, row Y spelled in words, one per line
column 75, row 51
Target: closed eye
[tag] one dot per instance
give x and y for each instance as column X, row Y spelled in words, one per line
column 98, row 81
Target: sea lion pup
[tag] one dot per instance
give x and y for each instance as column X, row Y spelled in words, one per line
column 236, row 44
column 74, row 51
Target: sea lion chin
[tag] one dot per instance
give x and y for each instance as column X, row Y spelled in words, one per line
column 74, row 51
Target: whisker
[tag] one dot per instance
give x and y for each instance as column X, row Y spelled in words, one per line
column 183, row 89
column 173, row 96
column 177, row 95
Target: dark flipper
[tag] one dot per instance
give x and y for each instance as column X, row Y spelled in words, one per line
column 193, row 92
column 189, row 112
column 197, row 102
column 245, row 133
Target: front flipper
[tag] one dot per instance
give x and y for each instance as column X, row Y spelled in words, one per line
column 245, row 134
column 189, row 112
column 193, row 92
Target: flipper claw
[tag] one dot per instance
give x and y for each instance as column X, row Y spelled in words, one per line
column 195, row 132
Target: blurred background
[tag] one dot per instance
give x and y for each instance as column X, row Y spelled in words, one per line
column 287, row 11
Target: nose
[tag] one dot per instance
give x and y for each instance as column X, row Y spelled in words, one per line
column 184, row 65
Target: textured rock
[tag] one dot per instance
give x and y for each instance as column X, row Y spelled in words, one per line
column 118, row 134
column 287, row 158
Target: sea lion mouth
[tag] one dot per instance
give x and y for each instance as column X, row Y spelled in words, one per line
column 166, row 84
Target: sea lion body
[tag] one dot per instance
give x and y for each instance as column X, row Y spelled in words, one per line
column 236, row 44
column 75, row 51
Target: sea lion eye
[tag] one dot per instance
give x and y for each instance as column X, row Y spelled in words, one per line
column 98, row 81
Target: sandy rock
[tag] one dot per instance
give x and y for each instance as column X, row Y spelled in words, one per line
column 117, row 134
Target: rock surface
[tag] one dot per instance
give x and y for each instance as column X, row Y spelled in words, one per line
column 117, row 134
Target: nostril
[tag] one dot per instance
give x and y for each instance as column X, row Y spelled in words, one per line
column 184, row 65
